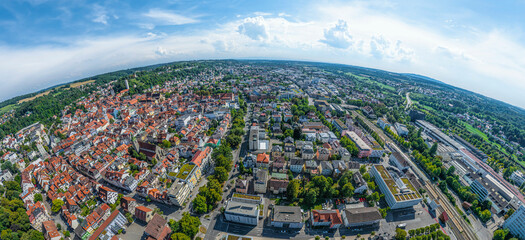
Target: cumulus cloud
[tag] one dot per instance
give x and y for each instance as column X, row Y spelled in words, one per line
column 338, row 36
column 254, row 28
column 380, row 47
column 163, row 17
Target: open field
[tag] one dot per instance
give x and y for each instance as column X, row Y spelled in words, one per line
column 78, row 84
column 32, row 98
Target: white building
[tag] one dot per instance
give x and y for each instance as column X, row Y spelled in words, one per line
column 399, row 191
column 179, row 192
column 287, row 217
column 242, row 212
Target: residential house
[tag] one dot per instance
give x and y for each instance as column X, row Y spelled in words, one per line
column 307, row 152
column 260, row 181
column 279, row 165
column 278, row 186
column 128, row 204
column 158, row 228
column 326, row 168
column 360, row 184
column 143, row 213
column 323, row 154
column 263, row 160
column 50, row 231
column 241, row 186
column 296, row 165
column 111, row 226
column 107, row 195
column 326, row 218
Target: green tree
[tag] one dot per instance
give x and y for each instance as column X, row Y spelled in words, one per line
column 221, row 174
column 293, row 189
column 166, row 144
column 179, row 236
column 38, row 197
column 233, row 140
column 199, row 204
column 189, row 225
column 311, row 196
column 362, row 169
column 347, row 190
column 500, row 234
column 57, row 205
column 485, row 215
column 400, row 234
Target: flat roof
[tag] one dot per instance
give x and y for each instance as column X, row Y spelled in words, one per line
column 410, row 192
column 242, row 208
column 287, row 214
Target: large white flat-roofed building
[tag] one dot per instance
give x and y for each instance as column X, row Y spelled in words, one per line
column 399, row 191
column 287, row 217
column 242, row 212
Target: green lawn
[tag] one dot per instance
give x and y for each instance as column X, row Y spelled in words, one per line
column 7, row 108
column 476, row 131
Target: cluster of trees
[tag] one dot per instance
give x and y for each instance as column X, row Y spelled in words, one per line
column 300, row 107
column 433, row 235
column 432, row 165
column 319, row 188
column 399, row 139
column 210, row 195
column 503, row 234
column 42, row 109
column 235, row 136
column 14, row 222
column 133, row 153
column 186, row 228
column 423, row 230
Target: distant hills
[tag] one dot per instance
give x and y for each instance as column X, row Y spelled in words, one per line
column 417, row 76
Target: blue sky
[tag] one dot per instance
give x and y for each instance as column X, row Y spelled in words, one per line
column 476, row 45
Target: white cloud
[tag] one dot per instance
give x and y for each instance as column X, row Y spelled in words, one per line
column 161, row 51
column 100, row 15
column 381, row 47
column 163, row 17
column 254, row 28
column 338, row 36
column 262, row 14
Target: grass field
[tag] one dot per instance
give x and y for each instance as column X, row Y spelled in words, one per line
column 7, row 108
column 78, row 84
column 31, row 98
column 476, row 131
